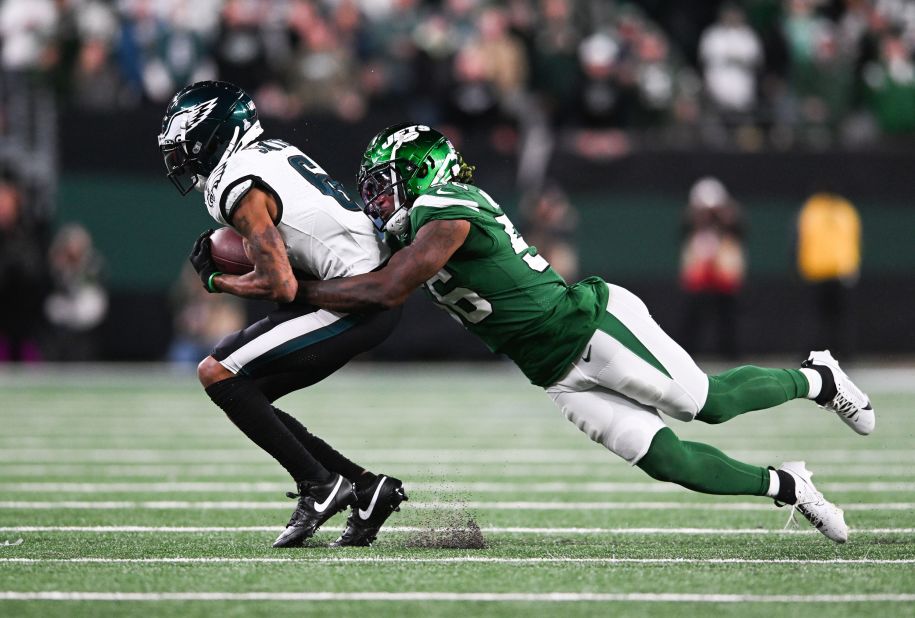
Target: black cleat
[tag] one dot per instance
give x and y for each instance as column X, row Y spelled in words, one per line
column 376, row 503
column 317, row 504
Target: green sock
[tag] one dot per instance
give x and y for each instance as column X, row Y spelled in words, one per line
column 701, row 467
column 750, row 388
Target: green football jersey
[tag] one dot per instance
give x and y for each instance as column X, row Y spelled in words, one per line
column 501, row 290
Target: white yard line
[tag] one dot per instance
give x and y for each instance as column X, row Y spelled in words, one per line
column 535, row 470
column 499, row 597
column 485, row 529
column 428, row 456
column 504, row 597
column 459, row 505
column 444, row 486
column 453, row 560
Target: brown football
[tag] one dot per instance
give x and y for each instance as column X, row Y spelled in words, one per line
column 228, row 251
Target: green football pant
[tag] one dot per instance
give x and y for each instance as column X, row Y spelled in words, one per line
column 750, row 388
column 701, row 467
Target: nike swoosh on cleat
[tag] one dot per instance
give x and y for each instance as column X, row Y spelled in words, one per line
column 330, row 497
column 368, row 513
column 587, row 355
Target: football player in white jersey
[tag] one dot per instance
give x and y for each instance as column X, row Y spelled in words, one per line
column 297, row 222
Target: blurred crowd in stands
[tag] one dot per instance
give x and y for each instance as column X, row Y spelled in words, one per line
column 597, row 78
column 603, row 75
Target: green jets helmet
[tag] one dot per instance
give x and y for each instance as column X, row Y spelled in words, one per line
column 404, row 161
column 204, row 123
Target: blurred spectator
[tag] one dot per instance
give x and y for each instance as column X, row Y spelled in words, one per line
column 712, row 267
column 390, row 51
column 475, row 102
column 601, row 103
column 549, row 222
column 821, row 71
column 172, row 44
column 436, row 43
column 98, row 83
column 554, row 62
column 27, row 30
column 490, row 76
column 731, row 55
column 240, row 46
column 829, row 260
column 461, row 14
column 78, row 302
column 320, row 75
column 890, row 82
column 200, row 319
column 22, row 278
column 655, row 79
column 506, row 60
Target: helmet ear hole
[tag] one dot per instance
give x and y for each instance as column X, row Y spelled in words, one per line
column 427, row 166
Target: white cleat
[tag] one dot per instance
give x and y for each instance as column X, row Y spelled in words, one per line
column 823, row 514
column 849, row 402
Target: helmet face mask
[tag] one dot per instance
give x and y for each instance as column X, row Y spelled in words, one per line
column 181, row 168
column 402, row 162
column 203, row 123
column 382, row 181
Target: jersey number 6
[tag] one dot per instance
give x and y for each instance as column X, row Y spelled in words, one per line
column 312, row 172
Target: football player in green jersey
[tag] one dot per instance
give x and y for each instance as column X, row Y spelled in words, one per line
column 592, row 346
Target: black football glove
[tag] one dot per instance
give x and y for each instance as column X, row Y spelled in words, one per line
column 202, row 261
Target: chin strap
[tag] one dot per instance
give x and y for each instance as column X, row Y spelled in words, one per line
column 397, row 224
column 200, row 182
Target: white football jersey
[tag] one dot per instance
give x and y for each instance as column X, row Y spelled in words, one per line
column 326, row 234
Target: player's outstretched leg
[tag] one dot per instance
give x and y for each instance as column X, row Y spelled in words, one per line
column 705, row 469
column 839, row 394
column 630, row 354
column 749, row 388
column 376, row 501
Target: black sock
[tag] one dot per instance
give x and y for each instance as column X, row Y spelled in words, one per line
column 248, row 408
column 786, row 493
column 828, row 390
column 324, row 452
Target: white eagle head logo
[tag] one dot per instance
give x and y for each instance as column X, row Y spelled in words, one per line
column 178, row 125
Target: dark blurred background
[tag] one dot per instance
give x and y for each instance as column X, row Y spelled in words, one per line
column 668, row 146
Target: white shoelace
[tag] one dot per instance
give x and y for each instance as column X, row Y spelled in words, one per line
column 792, row 520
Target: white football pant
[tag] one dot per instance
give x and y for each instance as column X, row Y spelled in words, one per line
column 628, row 372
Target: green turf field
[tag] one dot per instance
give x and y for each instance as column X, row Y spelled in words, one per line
column 133, row 495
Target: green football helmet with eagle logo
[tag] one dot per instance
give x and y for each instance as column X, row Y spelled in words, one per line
column 404, row 161
column 205, row 123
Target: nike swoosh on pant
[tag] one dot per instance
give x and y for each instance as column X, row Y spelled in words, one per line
column 330, row 497
column 368, row 513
